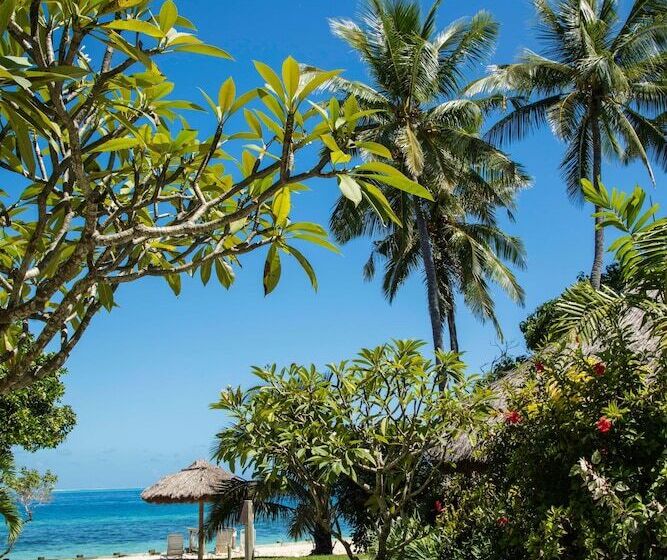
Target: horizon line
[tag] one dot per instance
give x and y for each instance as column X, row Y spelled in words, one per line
column 96, row 489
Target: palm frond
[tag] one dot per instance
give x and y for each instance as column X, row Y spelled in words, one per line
column 522, row 120
column 10, row 514
column 576, row 163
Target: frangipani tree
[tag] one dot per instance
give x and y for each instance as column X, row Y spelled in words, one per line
column 384, row 421
column 109, row 184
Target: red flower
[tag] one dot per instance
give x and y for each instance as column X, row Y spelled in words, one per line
column 599, row 369
column 513, row 417
column 539, row 367
column 438, row 506
column 502, row 521
column 604, row 424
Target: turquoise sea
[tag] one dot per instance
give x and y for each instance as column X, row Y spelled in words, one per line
column 101, row 522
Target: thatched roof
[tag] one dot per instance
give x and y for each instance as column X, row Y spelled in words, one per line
column 199, row 481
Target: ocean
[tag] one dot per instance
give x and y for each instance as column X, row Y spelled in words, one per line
column 101, row 522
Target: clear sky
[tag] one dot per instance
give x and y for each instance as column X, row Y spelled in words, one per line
column 143, row 377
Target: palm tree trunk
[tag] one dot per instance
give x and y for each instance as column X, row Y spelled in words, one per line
column 431, row 277
column 322, row 540
column 451, row 326
column 598, row 250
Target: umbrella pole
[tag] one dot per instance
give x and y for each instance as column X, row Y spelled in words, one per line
column 200, row 551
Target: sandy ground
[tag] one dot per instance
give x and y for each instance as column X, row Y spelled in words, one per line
column 291, row 549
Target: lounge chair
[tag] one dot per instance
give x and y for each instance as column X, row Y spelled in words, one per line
column 224, row 541
column 174, row 546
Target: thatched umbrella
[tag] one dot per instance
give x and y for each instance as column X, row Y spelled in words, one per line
column 198, row 483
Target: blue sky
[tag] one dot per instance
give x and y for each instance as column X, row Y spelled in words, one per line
column 142, row 379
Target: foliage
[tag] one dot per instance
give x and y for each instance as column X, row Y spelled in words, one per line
column 537, row 326
column 378, row 421
column 34, row 418
column 275, row 432
column 641, row 252
column 8, row 508
column 31, row 489
column 576, row 464
column 114, row 185
column 27, row 488
column 575, row 467
column 286, row 498
column 599, row 85
column 417, row 72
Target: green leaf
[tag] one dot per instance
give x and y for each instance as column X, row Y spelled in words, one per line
column 6, row 11
column 253, row 122
column 205, row 271
column 168, row 15
column 117, row 144
column 269, row 76
column 375, row 148
column 340, row 157
column 380, row 202
column 136, row 25
column 224, row 272
column 330, row 143
column 272, row 270
column 281, row 205
column 244, row 99
column 319, row 79
column 174, row 281
column 596, row 457
column 24, row 143
column 185, row 22
column 226, row 95
column 317, row 240
column 350, row 188
column 291, row 76
column 401, row 182
column 208, row 50
column 105, row 295
column 305, row 264
column 211, row 104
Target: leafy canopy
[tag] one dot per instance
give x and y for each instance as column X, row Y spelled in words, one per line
column 376, row 421
column 111, row 184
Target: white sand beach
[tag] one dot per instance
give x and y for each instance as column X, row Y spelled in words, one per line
column 285, row 549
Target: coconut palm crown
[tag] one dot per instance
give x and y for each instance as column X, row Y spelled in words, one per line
column 600, row 85
column 417, row 73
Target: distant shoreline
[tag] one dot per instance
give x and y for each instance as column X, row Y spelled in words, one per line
column 63, row 490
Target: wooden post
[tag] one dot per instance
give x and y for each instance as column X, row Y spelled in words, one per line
column 249, row 520
column 201, row 543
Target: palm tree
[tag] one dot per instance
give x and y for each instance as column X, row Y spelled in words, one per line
column 292, row 502
column 468, row 256
column 434, row 136
column 600, row 85
column 8, row 511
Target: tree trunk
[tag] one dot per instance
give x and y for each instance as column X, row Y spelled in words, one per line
column 201, row 543
column 598, row 247
column 451, row 325
column 323, row 541
column 431, row 277
column 383, row 536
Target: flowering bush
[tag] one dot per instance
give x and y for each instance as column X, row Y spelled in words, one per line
column 579, row 466
column 576, row 467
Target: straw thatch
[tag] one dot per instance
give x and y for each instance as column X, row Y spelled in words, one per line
column 200, row 481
